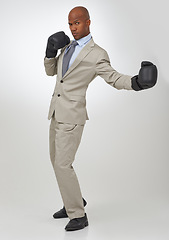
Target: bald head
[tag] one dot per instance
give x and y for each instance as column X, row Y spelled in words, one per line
column 81, row 11
column 79, row 22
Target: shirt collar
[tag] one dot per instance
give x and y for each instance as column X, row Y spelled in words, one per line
column 84, row 40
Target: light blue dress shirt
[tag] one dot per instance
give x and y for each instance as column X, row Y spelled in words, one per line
column 81, row 43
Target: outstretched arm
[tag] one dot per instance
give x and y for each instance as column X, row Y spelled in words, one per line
column 146, row 78
column 110, row 75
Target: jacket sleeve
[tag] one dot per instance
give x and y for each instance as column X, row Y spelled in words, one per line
column 50, row 66
column 110, row 75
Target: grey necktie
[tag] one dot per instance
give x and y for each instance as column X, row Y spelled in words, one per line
column 67, row 57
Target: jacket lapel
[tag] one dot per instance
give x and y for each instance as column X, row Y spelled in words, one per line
column 83, row 53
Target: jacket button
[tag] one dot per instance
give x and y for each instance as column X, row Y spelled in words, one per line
column 58, row 95
column 61, row 81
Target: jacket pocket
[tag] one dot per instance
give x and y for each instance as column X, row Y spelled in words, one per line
column 67, row 127
column 78, row 98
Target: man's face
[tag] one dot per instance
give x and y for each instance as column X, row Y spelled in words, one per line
column 78, row 24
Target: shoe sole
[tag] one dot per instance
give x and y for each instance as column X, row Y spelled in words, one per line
column 60, row 217
column 75, row 229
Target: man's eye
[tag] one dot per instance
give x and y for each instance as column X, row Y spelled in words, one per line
column 77, row 23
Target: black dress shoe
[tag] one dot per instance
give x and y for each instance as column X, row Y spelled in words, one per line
column 62, row 212
column 77, row 223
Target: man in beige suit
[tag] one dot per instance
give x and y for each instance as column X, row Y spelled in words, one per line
column 79, row 62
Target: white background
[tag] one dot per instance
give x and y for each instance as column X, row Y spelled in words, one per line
column 123, row 160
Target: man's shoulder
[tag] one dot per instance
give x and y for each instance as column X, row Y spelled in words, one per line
column 100, row 50
column 98, row 47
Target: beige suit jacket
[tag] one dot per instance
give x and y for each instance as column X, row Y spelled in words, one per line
column 69, row 98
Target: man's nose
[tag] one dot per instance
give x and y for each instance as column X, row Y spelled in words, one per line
column 73, row 28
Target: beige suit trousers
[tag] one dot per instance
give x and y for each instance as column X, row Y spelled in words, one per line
column 64, row 140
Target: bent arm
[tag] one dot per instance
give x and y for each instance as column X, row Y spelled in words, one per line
column 110, row 75
column 50, row 66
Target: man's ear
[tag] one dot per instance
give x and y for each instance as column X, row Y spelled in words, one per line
column 88, row 22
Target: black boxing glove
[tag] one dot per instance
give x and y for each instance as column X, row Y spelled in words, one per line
column 56, row 41
column 147, row 77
